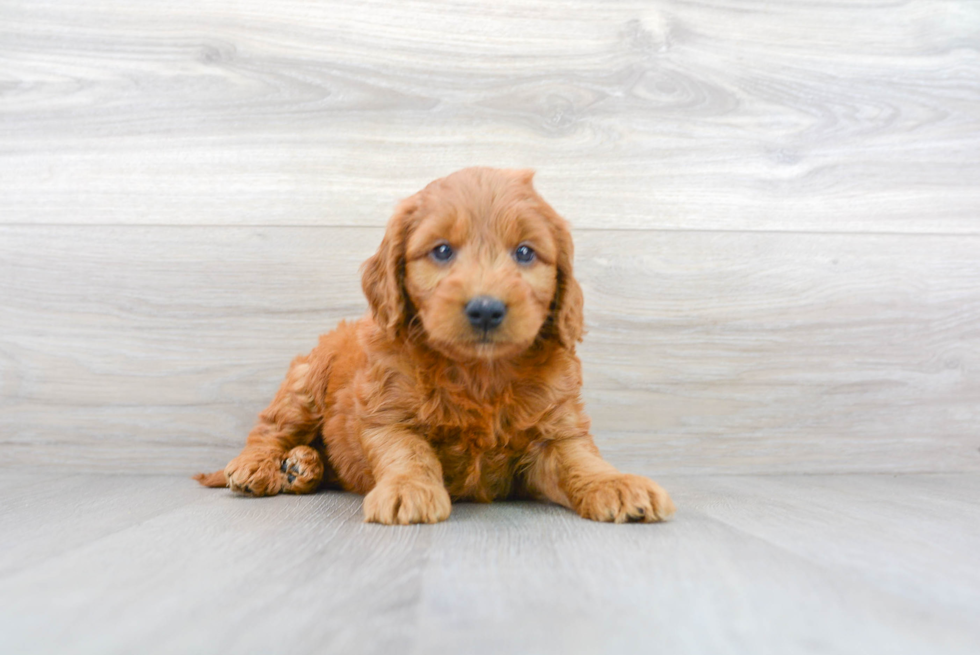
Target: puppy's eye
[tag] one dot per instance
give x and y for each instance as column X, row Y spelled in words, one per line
column 524, row 254
column 442, row 253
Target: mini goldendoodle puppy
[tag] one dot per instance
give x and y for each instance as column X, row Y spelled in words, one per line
column 461, row 383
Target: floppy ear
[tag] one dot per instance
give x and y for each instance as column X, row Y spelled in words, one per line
column 567, row 305
column 383, row 274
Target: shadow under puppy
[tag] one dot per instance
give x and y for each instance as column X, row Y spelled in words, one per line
column 461, row 383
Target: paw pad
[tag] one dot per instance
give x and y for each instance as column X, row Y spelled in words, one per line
column 266, row 473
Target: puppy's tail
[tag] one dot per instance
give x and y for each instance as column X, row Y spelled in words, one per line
column 216, row 479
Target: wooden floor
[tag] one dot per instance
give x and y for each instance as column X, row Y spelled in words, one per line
column 752, row 564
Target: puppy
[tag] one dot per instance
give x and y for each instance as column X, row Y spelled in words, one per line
column 462, row 381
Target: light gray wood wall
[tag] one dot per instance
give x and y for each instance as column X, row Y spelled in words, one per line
column 777, row 213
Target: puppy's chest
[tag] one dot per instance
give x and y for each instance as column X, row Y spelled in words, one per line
column 479, row 446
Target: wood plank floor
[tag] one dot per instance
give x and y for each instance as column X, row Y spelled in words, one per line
column 752, row 564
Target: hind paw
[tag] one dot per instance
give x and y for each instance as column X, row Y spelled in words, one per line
column 266, row 473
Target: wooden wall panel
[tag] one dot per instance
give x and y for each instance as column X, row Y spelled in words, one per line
column 813, row 116
column 130, row 348
column 777, row 208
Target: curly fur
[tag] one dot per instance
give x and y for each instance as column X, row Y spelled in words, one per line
column 413, row 407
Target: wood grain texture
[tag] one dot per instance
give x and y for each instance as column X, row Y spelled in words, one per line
column 777, row 207
column 153, row 349
column 814, row 116
column 46, row 516
column 892, row 531
column 156, row 581
column 800, row 564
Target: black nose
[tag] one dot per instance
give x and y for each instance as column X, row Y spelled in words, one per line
column 485, row 313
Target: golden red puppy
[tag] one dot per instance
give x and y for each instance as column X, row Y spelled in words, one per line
column 462, row 383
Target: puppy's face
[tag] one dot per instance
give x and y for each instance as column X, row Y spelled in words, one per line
column 480, row 269
column 483, row 263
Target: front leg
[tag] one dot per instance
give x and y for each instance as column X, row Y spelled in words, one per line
column 409, row 487
column 570, row 471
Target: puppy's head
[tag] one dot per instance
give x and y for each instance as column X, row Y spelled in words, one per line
column 478, row 266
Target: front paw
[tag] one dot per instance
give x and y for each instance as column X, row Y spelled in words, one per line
column 401, row 501
column 623, row 498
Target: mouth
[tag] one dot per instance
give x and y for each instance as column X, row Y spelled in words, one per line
column 479, row 346
column 484, row 345
column 493, row 346
column 488, row 349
